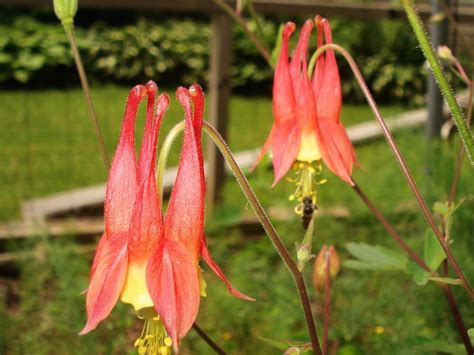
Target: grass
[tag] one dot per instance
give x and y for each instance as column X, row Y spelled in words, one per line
column 48, row 144
column 53, row 149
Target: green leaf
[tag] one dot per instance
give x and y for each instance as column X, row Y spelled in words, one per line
column 375, row 258
column 433, row 253
column 470, row 332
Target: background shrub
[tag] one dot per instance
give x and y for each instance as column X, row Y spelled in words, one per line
column 34, row 50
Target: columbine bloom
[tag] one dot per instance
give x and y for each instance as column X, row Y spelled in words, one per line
column 307, row 128
column 143, row 258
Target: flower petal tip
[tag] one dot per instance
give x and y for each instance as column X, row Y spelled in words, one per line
column 87, row 328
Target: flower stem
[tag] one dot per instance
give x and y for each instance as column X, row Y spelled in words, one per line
column 164, row 153
column 327, row 302
column 208, row 340
column 87, row 93
column 401, row 161
column 237, row 18
column 431, row 57
column 271, row 232
column 448, row 293
column 461, row 152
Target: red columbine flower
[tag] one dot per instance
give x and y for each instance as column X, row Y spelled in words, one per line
column 307, row 128
column 144, row 259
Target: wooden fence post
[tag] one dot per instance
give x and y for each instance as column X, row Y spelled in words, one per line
column 219, row 93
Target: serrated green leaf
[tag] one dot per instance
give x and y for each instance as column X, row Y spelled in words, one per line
column 433, row 253
column 375, row 257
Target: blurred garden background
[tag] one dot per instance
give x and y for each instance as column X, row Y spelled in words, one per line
column 47, row 146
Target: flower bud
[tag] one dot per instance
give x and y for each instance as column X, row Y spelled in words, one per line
column 292, row 351
column 319, row 271
column 65, row 10
column 445, row 53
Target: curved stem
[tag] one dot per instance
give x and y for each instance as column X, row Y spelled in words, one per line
column 237, row 18
column 430, row 55
column 87, row 93
column 327, row 303
column 164, row 153
column 208, row 339
column 271, row 232
column 401, row 161
column 461, row 152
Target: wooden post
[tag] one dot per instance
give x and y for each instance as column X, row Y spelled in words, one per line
column 219, row 93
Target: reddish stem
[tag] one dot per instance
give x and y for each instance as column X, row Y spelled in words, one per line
column 327, row 302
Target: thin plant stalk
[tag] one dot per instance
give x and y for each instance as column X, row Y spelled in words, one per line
column 462, row 151
column 435, row 65
column 453, row 307
column 271, row 232
column 401, row 161
column 237, row 18
column 214, row 346
column 164, row 153
column 327, row 302
column 254, row 15
column 259, row 211
column 87, row 93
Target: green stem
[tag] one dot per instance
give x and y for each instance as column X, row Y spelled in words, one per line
column 432, row 58
column 254, row 15
column 401, row 161
column 204, row 336
column 237, row 18
column 270, row 230
column 164, row 153
column 87, row 93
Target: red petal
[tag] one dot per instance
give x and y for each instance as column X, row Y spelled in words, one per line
column 329, row 97
column 185, row 215
column 107, row 278
column 217, row 270
column 284, row 104
column 146, row 221
column 318, row 74
column 122, row 183
column 286, row 144
column 152, row 89
column 173, row 283
column 336, row 149
column 298, row 65
column 197, row 96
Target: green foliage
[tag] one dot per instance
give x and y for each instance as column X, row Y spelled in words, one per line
column 374, row 258
column 176, row 50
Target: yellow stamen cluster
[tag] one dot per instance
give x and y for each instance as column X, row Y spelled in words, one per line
column 306, row 180
column 154, row 340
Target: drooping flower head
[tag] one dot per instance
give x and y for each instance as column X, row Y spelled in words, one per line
column 307, row 127
column 146, row 259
